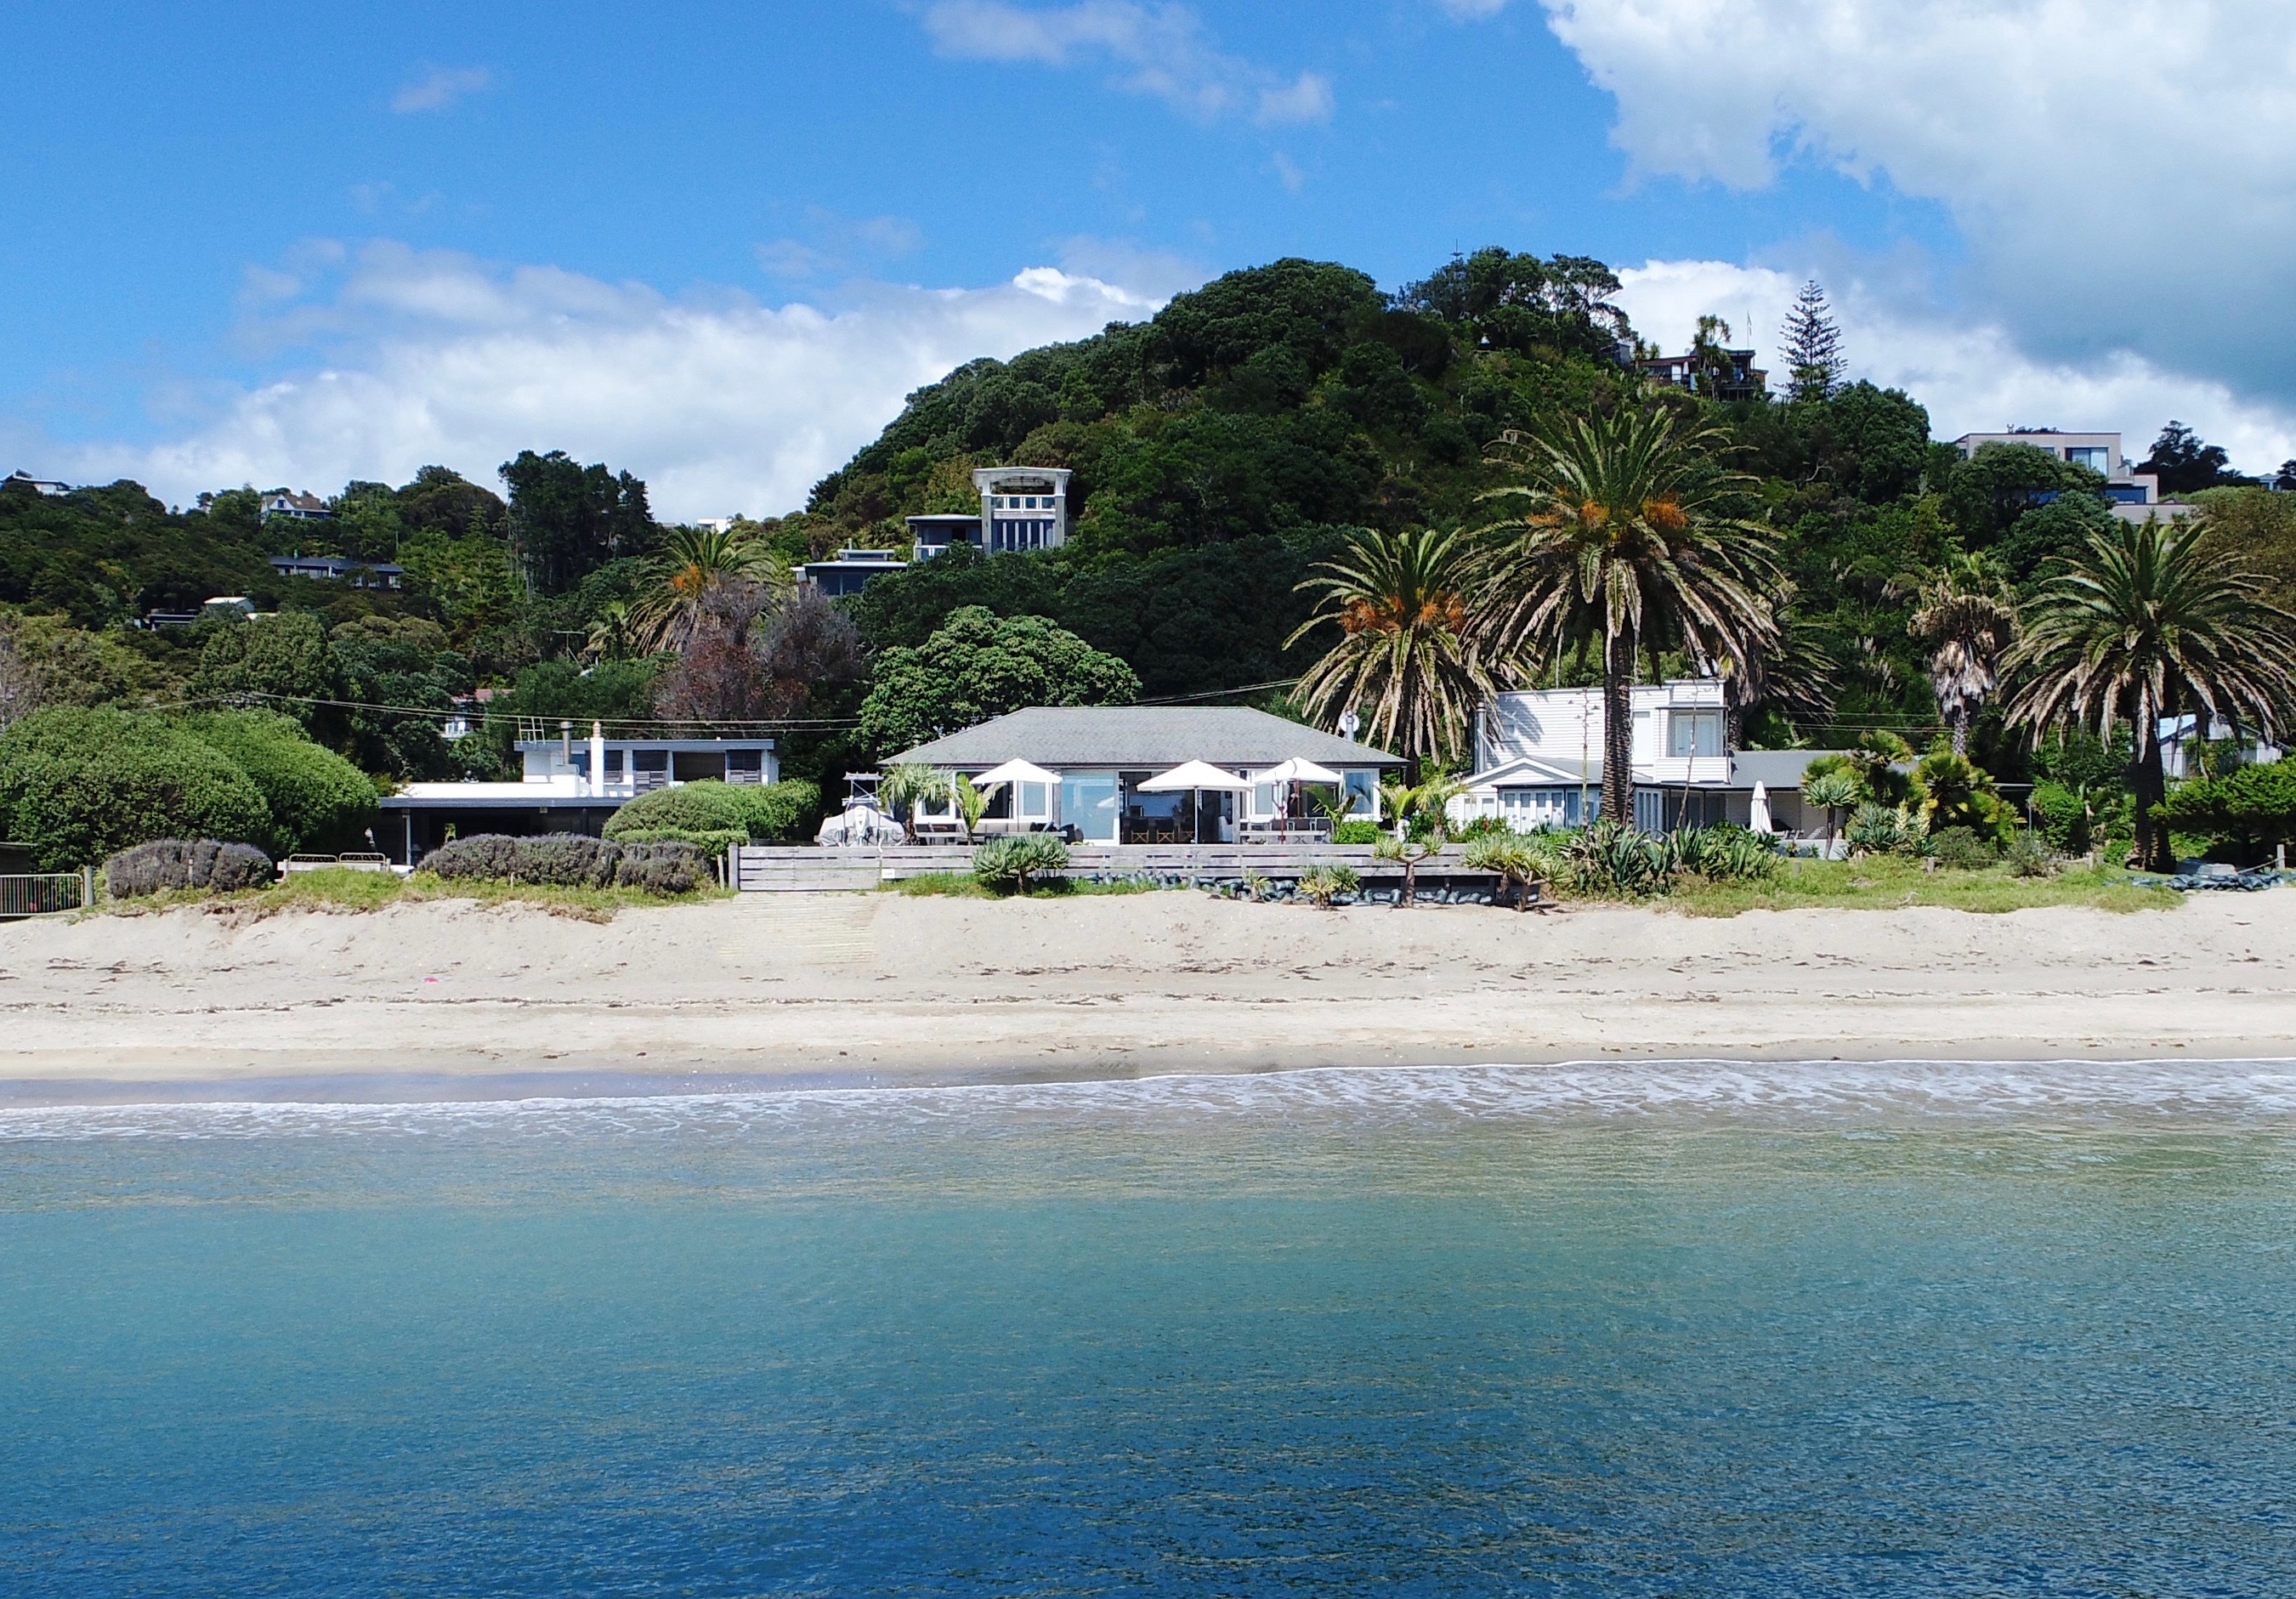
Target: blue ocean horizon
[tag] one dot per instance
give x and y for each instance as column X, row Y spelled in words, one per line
column 1673, row 1329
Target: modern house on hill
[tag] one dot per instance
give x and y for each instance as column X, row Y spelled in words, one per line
column 570, row 785
column 1538, row 759
column 850, row 572
column 2132, row 495
column 1021, row 508
column 1101, row 758
column 1722, row 375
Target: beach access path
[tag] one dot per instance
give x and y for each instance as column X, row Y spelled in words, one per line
column 450, row 999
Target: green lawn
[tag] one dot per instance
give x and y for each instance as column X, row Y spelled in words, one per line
column 1882, row 882
column 339, row 889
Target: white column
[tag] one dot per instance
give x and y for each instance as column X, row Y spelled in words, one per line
column 597, row 758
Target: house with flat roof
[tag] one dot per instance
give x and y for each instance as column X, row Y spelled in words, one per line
column 1722, row 375
column 1021, row 508
column 2133, row 496
column 569, row 784
column 1538, row 761
column 850, row 572
column 1097, row 759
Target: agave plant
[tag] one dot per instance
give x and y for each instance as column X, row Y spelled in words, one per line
column 1513, row 859
column 1018, row 859
column 1325, row 885
column 1611, row 860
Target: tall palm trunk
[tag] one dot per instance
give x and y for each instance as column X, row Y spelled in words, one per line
column 2152, row 851
column 1619, row 727
column 1959, row 722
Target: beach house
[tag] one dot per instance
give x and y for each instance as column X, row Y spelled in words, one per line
column 1112, row 774
column 1538, row 759
column 570, row 783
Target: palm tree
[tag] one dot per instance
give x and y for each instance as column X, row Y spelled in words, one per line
column 699, row 576
column 1407, row 654
column 1966, row 619
column 612, row 634
column 1794, row 674
column 2147, row 623
column 1619, row 532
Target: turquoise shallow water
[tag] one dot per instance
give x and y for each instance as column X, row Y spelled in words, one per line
column 1693, row 1330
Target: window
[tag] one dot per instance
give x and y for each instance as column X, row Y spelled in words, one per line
column 745, row 766
column 1693, row 733
column 2095, row 457
column 1363, row 793
column 1088, row 805
column 1035, row 802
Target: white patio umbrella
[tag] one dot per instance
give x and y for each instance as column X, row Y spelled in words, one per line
column 1194, row 774
column 1193, row 777
column 1758, row 813
column 1015, row 771
column 1300, row 770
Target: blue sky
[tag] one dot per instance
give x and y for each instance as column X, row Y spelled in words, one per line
column 311, row 243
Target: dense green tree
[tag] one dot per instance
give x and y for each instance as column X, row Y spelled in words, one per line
column 317, row 801
column 2001, row 482
column 77, row 784
column 1507, row 301
column 567, row 520
column 1812, row 345
column 2183, row 463
column 402, row 681
column 278, row 661
column 978, row 666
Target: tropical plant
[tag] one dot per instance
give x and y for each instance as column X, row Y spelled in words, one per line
column 702, row 576
column 1967, row 619
column 1513, row 860
column 1326, row 884
column 1727, row 853
column 1422, row 810
column 1957, row 792
column 1832, row 793
column 900, row 787
column 2148, row 623
column 612, row 634
column 1017, row 859
column 1408, row 657
column 972, row 803
column 1616, row 530
column 1410, row 853
column 1879, row 829
column 1609, row 858
column 1881, row 761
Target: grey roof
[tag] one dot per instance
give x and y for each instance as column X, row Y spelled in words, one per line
column 1152, row 737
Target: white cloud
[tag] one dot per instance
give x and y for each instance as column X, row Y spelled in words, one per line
column 1160, row 49
column 438, row 88
column 722, row 405
column 1971, row 376
column 2119, row 168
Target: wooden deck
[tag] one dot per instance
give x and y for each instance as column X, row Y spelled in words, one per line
column 798, row 869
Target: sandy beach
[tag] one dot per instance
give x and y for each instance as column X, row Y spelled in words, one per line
column 452, row 1000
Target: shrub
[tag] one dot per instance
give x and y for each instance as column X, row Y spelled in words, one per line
column 1728, row 853
column 711, row 842
column 1012, row 861
column 1883, row 830
column 1961, row 848
column 78, row 785
column 1481, row 827
column 317, row 800
column 2028, row 854
column 662, row 866
column 1609, row 859
column 1325, row 884
column 572, row 860
column 1514, row 861
column 2062, row 816
column 773, row 810
column 1357, row 832
column 178, row 864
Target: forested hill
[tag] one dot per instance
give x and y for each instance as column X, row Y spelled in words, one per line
column 1225, row 446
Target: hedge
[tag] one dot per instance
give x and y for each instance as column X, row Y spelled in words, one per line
column 771, row 811
column 318, row 800
column 80, row 785
column 180, row 864
column 572, row 860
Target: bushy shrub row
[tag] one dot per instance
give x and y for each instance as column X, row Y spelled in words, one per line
column 572, row 860
column 162, row 864
column 764, row 812
column 79, row 784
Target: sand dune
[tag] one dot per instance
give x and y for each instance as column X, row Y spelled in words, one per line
column 454, row 999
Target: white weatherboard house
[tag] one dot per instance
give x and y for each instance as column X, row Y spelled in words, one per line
column 1102, row 759
column 1538, row 759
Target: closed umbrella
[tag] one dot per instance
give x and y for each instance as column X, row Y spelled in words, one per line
column 1758, row 813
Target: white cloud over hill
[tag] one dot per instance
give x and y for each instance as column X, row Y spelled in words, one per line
column 2119, row 169
column 721, row 404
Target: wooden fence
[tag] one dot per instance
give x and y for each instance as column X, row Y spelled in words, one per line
column 773, row 868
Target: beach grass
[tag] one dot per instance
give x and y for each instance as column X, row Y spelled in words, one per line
column 343, row 889
column 1887, row 882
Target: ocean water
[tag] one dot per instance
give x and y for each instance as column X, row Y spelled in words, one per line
column 1700, row 1329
